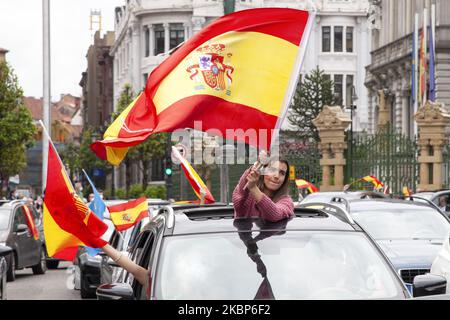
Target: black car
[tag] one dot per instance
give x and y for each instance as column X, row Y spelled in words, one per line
column 27, row 251
column 205, row 254
column 4, row 251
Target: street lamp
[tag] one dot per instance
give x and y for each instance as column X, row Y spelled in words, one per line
column 351, row 99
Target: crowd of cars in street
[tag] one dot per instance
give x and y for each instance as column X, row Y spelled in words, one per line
column 339, row 245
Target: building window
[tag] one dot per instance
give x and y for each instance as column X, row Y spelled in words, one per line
column 338, row 39
column 349, row 39
column 159, row 39
column 338, row 78
column 326, row 39
column 176, row 34
column 147, row 41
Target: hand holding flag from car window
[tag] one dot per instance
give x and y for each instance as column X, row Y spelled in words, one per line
column 97, row 206
column 68, row 222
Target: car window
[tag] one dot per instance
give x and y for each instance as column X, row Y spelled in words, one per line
column 136, row 255
column 403, row 223
column 4, row 219
column 19, row 217
column 297, row 265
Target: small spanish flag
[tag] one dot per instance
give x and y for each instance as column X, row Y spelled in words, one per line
column 302, row 184
column 372, row 179
column 125, row 215
column 194, row 179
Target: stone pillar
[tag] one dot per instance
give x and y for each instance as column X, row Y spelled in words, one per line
column 331, row 124
column 151, row 39
column 135, row 56
column 432, row 120
column 383, row 111
column 166, row 37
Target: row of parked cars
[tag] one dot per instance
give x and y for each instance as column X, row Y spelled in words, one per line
column 348, row 245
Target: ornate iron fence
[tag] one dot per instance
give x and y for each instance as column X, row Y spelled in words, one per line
column 388, row 155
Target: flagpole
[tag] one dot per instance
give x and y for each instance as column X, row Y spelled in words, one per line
column 56, row 151
column 295, row 76
column 416, row 69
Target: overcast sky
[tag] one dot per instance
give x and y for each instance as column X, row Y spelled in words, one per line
column 21, row 34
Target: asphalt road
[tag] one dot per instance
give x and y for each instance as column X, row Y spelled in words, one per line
column 53, row 285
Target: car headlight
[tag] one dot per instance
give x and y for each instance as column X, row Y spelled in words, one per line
column 2, row 243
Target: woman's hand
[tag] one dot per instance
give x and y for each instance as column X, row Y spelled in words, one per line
column 252, row 178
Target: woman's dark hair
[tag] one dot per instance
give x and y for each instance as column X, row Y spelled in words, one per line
column 284, row 189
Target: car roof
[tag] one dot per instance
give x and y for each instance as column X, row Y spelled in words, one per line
column 378, row 204
column 221, row 219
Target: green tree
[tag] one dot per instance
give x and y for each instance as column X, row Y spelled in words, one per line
column 17, row 130
column 312, row 94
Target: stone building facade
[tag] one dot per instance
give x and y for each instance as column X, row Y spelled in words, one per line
column 390, row 69
column 147, row 30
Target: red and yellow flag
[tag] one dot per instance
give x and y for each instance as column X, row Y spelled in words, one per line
column 232, row 76
column 407, row 192
column 194, row 179
column 422, row 69
column 125, row 215
column 30, row 223
column 302, row 184
column 372, row 179
column 68, row 222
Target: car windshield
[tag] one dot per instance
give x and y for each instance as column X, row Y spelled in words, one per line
column 4, row 219
column 298, row 265
column 403, row 223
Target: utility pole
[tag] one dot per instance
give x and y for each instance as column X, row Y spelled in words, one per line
column 46, row 88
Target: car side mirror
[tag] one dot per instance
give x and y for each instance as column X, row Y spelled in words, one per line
column 22, row 228
column 4, row 251
column 429, row 284
column 115, row 291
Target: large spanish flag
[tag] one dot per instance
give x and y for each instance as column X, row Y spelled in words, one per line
column 194, row 179
column 125, row 215
column 68, row 222
column 236, row 77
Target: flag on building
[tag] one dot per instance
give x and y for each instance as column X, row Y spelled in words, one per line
column 125, row 215
column 423, row 67
column 432, row 70
column 303, row 184
column 237, row 74
column 194, row 179
column 97, row 206
column 372, row 179
column 68, row 222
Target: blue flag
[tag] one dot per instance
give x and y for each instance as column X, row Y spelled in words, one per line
column 432, row 88
column 97, row 206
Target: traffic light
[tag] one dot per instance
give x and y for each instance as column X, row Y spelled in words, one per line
column 168, row 166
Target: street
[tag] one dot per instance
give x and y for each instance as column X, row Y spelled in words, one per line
column 53, row 285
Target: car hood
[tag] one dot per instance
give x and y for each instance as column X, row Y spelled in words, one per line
column 411, row 254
